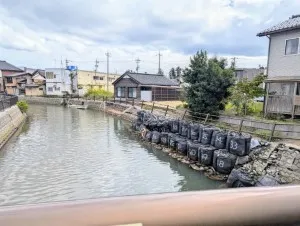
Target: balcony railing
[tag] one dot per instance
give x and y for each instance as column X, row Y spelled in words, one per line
column 240, row 206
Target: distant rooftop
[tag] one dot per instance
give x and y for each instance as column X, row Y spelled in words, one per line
column 4, row 66
column 149, row 79
column 292, row 23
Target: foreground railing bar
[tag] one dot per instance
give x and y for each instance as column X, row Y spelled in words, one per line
column 242, row 206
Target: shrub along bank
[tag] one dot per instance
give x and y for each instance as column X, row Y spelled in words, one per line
column 220, row 154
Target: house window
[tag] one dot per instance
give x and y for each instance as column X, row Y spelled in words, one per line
column 50, row 89
column 132, row 92
column 292, row 46
column 9, row 80
column 50, row 75
column 101, row 78
column 57, row 88
column 120, row 91
column 96, row 78
column 41, row 89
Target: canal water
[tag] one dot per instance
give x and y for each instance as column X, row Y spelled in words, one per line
column 70, row 154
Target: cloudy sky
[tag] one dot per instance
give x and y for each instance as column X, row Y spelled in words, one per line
column 39, row 33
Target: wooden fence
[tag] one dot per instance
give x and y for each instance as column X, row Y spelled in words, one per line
column 267, row 130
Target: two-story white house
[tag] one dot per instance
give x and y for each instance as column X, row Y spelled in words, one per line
column 283, row 70
column 58, row 81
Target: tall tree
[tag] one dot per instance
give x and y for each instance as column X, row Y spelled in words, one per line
column 172, row 73
column 178, row 72
column 208, row 82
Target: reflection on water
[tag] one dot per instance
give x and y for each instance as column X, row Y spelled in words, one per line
column 71, row 154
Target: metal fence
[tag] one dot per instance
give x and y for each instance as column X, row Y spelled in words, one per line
column 265, row 129
column 6, row 101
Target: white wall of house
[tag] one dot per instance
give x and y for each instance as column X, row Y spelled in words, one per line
column 59, row 83
column 281, row 64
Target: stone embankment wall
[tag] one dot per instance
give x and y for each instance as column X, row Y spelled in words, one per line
column 10, row 120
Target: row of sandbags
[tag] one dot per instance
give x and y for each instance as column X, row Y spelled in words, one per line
column 222, row 160
column 235, row 143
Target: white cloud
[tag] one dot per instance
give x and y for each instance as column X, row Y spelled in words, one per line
column 84, row 30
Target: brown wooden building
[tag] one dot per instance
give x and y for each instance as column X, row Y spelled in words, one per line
column 147, row 87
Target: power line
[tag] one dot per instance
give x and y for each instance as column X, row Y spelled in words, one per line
column 137, row 64
column 108, row 55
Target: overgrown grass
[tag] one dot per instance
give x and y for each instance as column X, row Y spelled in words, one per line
column 23, row 106
column 96, row 92
column 254, row 109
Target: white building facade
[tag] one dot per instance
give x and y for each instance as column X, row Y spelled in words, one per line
column 58, row 82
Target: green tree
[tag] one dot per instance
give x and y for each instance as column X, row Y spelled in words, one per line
column 243, row 93
column 207, row 81
column 172, row 73
column 178, row 72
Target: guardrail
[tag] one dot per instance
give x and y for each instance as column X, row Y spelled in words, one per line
column 6, row 101
column 240, row 206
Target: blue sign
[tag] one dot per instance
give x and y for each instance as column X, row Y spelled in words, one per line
column 71, row 68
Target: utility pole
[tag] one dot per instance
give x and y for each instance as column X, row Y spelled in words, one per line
column 96, row 66
column 67, row 63
column 234, row 60
column 159, row 69
column 137, row 64
column 108, row 55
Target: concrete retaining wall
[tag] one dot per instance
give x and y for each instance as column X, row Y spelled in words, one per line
column 10, row 120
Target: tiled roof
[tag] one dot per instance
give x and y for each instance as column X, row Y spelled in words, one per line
column 151, row 79
column 18, row 74
column 290, row 24
column 8, row 67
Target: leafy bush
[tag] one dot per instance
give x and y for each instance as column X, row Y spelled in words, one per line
column 23, row 106
column 244, row 92
column 96, row 92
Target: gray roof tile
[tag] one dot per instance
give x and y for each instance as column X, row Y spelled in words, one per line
column 8, row 67
column 290, row 24
column 151, row 79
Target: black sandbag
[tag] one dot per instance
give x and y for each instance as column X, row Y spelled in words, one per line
column 172, row 141
column 183, row 128
column 193, row 131
column 219, row 139
column 238, row 146
column 155, row 137
column 223, row 161
column 200, row 130
column 164, row 139
column 140, row 115
column 181, row 146
column 175, row 126
column 207, row 135
column 165, row 126
column 266, row 180
column 238, row 178
column 148, row 136
column 206, row 154
column 193, row 149
column 248, row 142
